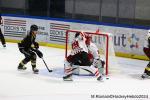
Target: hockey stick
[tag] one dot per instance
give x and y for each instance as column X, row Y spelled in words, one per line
column 46, row 65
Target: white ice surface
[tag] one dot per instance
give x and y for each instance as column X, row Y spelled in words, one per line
column 16, row 85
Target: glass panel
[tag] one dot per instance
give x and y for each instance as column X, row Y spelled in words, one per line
column 87, row 10
column 142, row 12
column 109, row 11
column 57, row 8
column 69, row 8
column 12, row 3
column 37, row 7
column 126, row 11
column 9, row 6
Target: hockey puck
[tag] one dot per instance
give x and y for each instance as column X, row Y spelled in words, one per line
column 107, row 78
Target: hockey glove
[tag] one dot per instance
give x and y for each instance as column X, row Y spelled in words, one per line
column 39, row 53
column 36, row 45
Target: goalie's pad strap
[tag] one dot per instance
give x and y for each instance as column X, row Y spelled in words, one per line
column 68, row 70
column 97, row 73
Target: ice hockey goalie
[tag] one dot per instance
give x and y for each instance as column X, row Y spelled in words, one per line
column 84, row 55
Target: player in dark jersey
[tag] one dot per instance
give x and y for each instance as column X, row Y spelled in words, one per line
column 146, row 50
column 1, row 34
column 29, row 48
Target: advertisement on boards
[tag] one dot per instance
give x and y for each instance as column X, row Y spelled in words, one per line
column 14, row 27
column 57, row 32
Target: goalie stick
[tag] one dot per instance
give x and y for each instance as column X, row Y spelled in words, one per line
column 46, row 65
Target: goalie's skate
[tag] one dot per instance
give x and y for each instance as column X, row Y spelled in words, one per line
column 100, row 78
column 145, row 76
column 35, row 70
column 68, row 77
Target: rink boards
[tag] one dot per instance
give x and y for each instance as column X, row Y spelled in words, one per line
column 128, row 40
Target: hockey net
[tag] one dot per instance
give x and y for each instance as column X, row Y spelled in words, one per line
column 104, row 42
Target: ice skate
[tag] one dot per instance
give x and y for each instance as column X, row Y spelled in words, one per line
column 35, row 70
column 100, row 78
column 20, row 67
column 144, row 76
column 68, row 77
column 4, row 45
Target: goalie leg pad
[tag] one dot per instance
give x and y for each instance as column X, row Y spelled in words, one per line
column 92, row 69
column 97, row 63
column 67, row 67
column 68, row 71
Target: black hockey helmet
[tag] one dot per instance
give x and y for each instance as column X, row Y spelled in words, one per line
column 34, row 28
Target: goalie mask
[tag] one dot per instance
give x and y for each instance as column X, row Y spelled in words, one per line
column 77, row 34
column 80, row 35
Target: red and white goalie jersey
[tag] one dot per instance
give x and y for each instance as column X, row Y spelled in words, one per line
column 93, row 52
column 79, row 45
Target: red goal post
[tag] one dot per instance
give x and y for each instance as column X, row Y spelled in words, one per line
column 95, row 35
